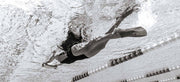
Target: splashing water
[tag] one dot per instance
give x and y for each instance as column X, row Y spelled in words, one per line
column 145, row 16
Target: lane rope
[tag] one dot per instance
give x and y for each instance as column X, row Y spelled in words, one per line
column 169, row 79
column 127, row 57
column 153, row 73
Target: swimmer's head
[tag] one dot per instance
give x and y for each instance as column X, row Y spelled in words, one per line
column 76, row 29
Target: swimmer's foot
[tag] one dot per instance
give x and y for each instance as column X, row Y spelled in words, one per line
column 131, row 32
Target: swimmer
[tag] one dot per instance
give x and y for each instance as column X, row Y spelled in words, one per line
column 75, row 49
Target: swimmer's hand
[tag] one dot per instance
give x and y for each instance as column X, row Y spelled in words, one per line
column 47, row 65
column 44, row 64
column 127, row 12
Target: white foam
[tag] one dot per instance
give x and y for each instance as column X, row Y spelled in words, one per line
column 146, row 18
column 21, row 3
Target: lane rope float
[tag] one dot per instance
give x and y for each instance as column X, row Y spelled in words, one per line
column 127, row 57
column 177, row 77
column 153, row 73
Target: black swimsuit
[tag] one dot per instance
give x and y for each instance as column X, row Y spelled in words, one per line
column 67, row 44
column 71, row 58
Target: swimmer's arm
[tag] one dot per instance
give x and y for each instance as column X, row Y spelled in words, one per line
column 51, row 59
column 118, row 21
column 120, row 18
